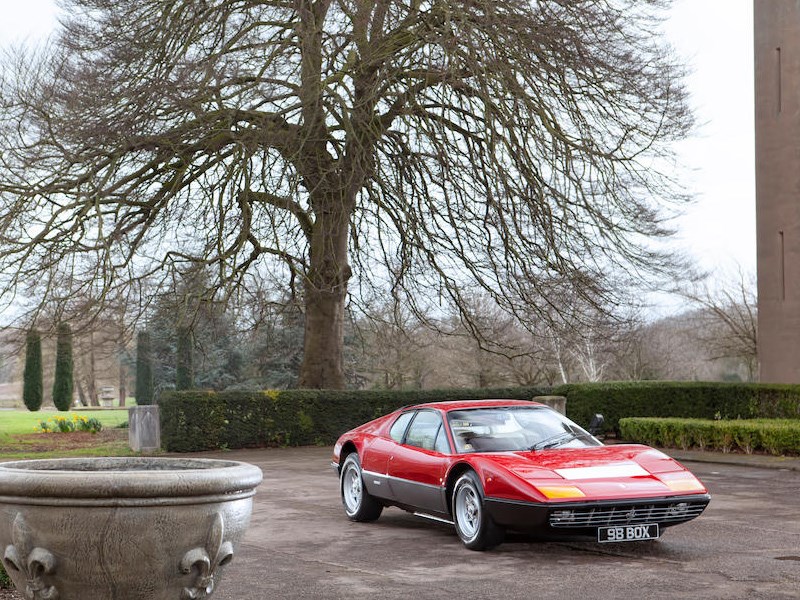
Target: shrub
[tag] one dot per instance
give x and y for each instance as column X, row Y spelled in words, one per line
column 63, row 383
column 196, row 420
column 144, row 369
column 776, row 436
column 679, row 399
column 202, row 420
column 32, row 378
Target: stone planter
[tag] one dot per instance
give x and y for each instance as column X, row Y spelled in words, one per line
column 122, row 528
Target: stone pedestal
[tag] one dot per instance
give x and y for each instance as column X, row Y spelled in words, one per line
column 144, row 428
column 558, row 403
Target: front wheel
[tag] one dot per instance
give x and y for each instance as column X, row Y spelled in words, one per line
column 473, row 525
column 359, row 505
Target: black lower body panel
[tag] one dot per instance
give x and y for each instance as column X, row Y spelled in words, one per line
column 583, row 518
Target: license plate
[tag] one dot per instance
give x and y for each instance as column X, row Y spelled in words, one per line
column 627, row 533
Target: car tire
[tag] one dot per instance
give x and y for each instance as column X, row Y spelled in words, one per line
column 358, row 504
column 473, row 524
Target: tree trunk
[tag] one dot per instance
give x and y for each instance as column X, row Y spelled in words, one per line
column 81, row 394
column 325, row 295
column 558, row 355
column 323, row 362
column 91, row 380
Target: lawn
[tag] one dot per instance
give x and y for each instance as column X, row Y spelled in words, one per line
column 18, row 437
column 13, row 422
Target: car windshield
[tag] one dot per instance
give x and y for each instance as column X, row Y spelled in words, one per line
column 515, row 428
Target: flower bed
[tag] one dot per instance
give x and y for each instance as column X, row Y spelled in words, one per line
column 59, row 424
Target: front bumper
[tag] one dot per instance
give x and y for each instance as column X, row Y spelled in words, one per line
column 586, row 517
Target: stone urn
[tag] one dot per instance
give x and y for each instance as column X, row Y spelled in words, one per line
column 122, row 528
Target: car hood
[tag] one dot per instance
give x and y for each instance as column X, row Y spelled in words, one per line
column 603, row 472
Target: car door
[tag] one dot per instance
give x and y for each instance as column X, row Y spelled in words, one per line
column 417, row 466
column 376, row 457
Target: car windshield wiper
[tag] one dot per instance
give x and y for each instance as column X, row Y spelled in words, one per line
column 555, row 440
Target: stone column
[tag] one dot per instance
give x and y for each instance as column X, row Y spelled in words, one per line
column 144, row 428
column 558, row 403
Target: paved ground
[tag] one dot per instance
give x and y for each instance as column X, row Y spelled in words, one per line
column 300, row 545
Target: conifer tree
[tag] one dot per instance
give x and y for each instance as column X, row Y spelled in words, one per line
column 144, row 369
column 184, row 376
column 33, row 386
column 63, row 383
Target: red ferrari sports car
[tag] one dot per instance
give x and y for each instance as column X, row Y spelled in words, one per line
column 488, row 466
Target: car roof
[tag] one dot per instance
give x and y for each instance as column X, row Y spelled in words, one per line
column 464, row 404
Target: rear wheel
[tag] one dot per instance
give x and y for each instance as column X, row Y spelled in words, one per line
column 358, row 504
column 473, row 525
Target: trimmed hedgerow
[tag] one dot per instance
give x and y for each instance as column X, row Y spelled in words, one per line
column 700, row 400
column 196, row 420
column 202, row 420
column 776, row 436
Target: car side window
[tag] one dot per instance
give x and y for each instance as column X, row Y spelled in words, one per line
column 424, row 430
column 399, row 427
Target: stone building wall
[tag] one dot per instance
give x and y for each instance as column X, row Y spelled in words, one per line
column 777, row 122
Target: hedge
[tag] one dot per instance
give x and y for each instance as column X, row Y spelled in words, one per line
column 776, row 436
column 200, row 420
column 197, row 420
column 699, row 400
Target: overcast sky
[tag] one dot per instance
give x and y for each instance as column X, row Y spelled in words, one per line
column 715, row 39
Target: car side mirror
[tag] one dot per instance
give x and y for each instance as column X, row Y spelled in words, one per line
column 596, row 424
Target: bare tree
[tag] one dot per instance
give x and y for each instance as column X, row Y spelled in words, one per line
column 726, row 319
column 639, row 355
column 481, row 338
column 394, row 349
column 426, row 146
